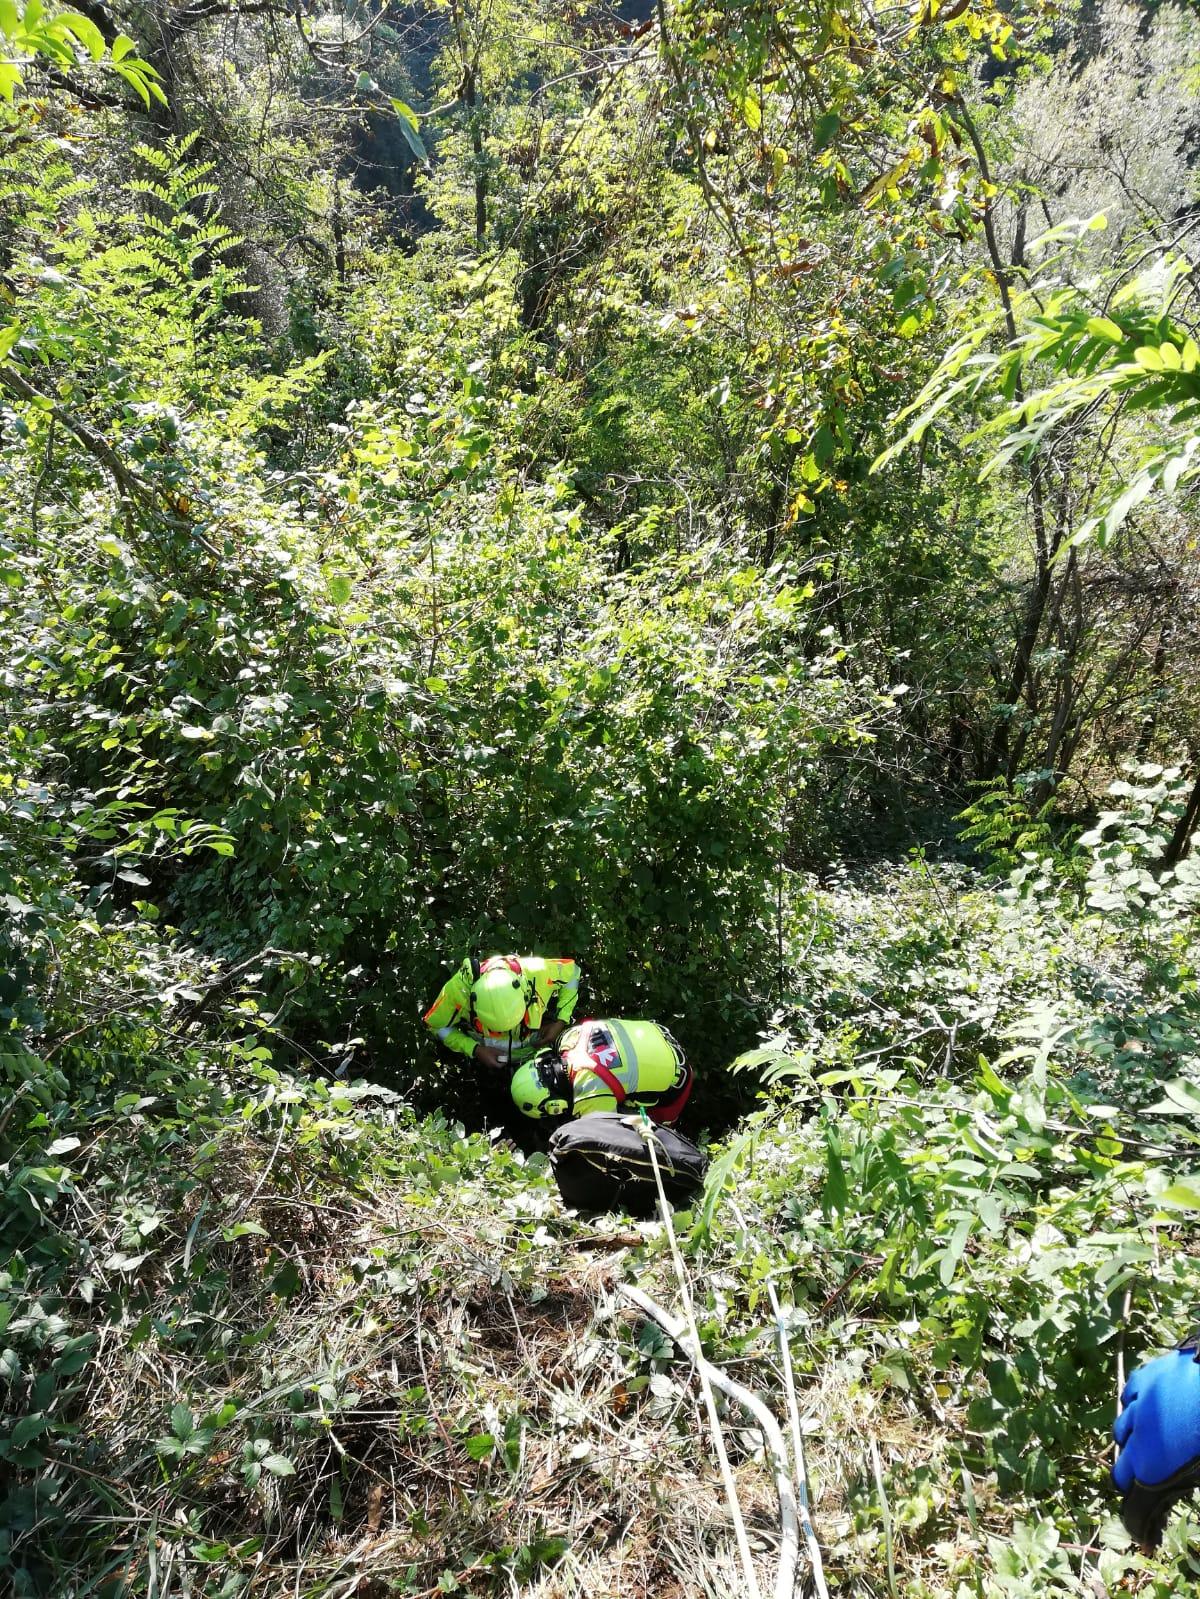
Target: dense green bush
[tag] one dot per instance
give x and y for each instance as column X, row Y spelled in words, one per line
column 462, row 724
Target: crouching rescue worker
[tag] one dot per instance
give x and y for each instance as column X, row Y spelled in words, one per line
column 606, row 1065
column 500, row 1010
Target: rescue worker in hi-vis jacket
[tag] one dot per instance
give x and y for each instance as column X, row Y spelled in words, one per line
column 501, row 1010
column 606, row 1065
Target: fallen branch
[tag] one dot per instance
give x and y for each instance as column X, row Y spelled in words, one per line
column 229, row 975
column 125, row 482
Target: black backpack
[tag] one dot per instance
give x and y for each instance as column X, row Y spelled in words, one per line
column 601, row 1162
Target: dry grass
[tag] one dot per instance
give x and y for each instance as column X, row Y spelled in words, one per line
column 410, row 1330
column 460, row 1391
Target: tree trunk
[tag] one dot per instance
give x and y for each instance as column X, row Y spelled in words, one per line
column 338, row 226
column 1150, row 720
column 471, row 100
column 1181, row 839
column 1004, row 272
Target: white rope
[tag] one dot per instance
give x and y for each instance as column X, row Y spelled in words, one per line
column 801, row 1464
column 789, row 1526
column 706, row 1372
column 810, row 1532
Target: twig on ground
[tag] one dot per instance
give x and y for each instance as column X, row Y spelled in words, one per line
column 418, row 1334
column 863, row 1265
column 1121, row 1345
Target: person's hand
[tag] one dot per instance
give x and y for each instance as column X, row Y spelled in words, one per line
column 485, row 1055
column 549, row 1031
column 1158, row 1436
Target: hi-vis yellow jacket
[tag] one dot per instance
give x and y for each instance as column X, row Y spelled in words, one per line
column 640, row 1059
column 551, row 993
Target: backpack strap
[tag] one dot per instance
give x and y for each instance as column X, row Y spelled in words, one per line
column 613, row 1083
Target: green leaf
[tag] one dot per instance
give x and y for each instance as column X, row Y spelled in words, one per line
column 75, row 1355
column 279, row 1466
column 826, row 129
column 135, row 80
column 653, row 1342
column 1185, row 1196
column 955, row 1249
column 1183, row 1099
column 836, row 1192
column 717, row 1180
column 1105, row 328
column 121, row 46
column 480, row 1446
column 27, row 1429
column 287, row 1281
column 1172, row 473
column 1172, row 359
column 1114, row 518
column 340, row 588
column 994, row 1084
column 85, row 30
column 409, row 128
column 8, row 338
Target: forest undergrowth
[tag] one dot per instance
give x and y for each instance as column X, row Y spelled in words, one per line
column 518, row 476
column 272, row 1334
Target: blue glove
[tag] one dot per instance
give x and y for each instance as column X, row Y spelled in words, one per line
column 1158, row 1434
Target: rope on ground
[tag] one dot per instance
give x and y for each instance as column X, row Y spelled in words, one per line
column 789, row 1526
column 646, row 1128
column 810, row 1532
column 801, row 1464
column 711, row 1377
